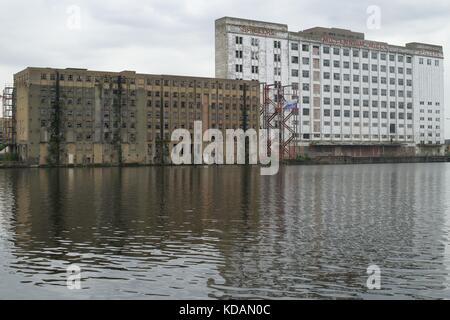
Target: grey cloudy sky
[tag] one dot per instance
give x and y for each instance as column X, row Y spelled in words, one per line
column 177, row 36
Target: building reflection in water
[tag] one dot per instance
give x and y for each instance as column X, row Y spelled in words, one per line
column 219, row 232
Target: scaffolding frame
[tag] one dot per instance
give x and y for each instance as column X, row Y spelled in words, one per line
column 275, row 115
column 8, row 117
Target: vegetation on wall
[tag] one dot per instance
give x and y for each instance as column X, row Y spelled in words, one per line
column 54, row 145
column 117, row 126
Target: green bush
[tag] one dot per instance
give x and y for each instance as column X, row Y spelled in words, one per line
column 7, row 157
column 302, row 158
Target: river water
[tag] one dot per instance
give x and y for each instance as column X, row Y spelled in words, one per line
column 309, row 232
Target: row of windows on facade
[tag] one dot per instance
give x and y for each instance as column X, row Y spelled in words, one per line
column 338, row 136
column 375, row 115
column 306, row 136
column 346, row 77
column 132, row 125
column 339, row 128
column 365, row 91
column 336, row 63
column 326, row 75
column 305, row 74
column 156, row 82
column 337, row 51
column 345, row 89
column 356, row 91
column 132, row 102
column 198, row 95
column 87, row 78
column 227, row 106
column 364, row 114
column 355, row 78
column 338, row 124
column 355, row 65
column 365, row 103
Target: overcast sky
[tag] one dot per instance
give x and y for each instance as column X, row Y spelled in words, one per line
column 177, row 36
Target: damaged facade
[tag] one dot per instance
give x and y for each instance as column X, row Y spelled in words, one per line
column 79, row 116
column 351, row 91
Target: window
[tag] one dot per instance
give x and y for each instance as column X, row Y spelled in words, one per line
column 305, row 61
column 277, row 44
column 255, row 69
column 238, row 40
column 336, row 51
column 326, row 50
column 294, row 59
column 294, row 72
column 305, row 47
column 294, row 46
column 255, row 42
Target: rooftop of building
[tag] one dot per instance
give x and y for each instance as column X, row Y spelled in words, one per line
column 336, row 36
column 125, row 73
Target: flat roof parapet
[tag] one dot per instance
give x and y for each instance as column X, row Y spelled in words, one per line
column 424, row 46
column 334, row 32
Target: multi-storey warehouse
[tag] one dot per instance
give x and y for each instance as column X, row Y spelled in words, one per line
column 78, row 116
column 351, row 92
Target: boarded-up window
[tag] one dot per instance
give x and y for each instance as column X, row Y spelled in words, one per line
column 317, row 102
column 316, row 63
column 316, row 88
column 316, row 76
column 316, row 114
column 316, row 126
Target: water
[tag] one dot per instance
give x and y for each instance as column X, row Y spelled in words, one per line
column 219, row 233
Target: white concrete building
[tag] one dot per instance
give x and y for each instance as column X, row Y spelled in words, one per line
column 350, row 90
